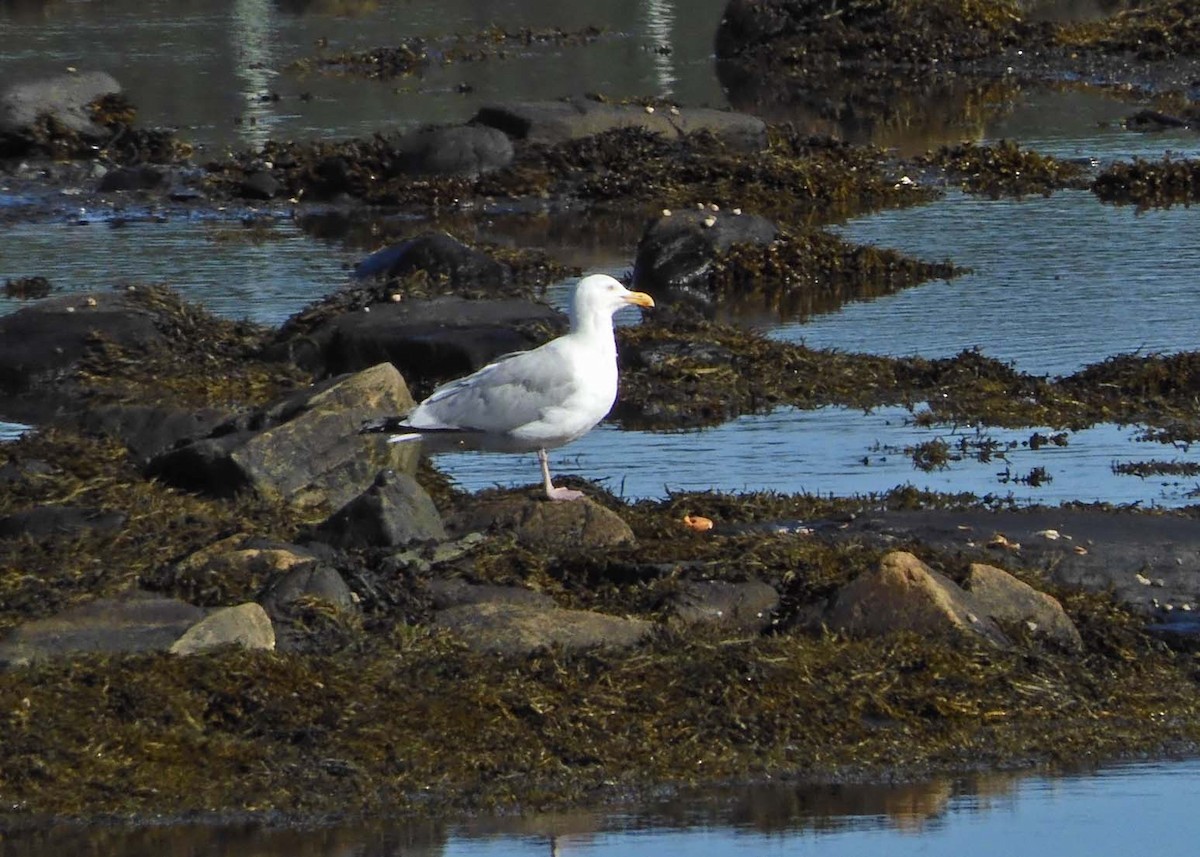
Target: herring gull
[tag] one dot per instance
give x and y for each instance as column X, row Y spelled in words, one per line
column 537, row 399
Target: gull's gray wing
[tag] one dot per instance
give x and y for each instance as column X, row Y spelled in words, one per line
column 511, row 392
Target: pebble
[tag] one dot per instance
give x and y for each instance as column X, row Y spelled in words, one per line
column 1142, row 579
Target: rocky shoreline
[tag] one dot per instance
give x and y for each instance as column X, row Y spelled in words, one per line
column 217, row 597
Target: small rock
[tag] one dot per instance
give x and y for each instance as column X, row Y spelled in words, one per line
column 543, row 525
column 744, row 606
column 246, row 625
column 395, row 510
column 1007, row 599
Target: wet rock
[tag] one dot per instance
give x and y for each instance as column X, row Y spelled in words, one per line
column 744, row 606
column 306, row 449
column 308, row 580
column 54, row 522
column 467, row 150
column 551, row 122
column 134, row 622
column 39, row 342
column 246, row 625
column 540, row 524
column 676, row 253
column 436, row 339
column 394, row 511
column 521, row 629
column 445, row 593
column 143, row 177
column 1011, row 601
column 904, row 594
column 245, row 558
column 439, row 255
column 147, row 430
column 259, row 185
column 65, row 99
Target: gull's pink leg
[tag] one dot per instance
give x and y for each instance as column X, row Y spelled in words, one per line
column 552, row 492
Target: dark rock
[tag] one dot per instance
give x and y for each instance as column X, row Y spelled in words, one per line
column 552, row 122
column 394, row 511
column 259, row 185
column 520, row 629
column 143, row 177
column 467, row 150
column 65, row 99
column 306, row 450
column 904, row 594
column 43, row 522
column 744, row 606
column 677, row 252
column 439, row 255
column 38, row 342
column 147, row 430
column 308, row 580
column 541, row 524
column 454, row 592
column 436, row 339
column 134, row 622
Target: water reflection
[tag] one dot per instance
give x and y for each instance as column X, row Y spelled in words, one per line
column 659, row 17
column 250, row 40
column 983, row 815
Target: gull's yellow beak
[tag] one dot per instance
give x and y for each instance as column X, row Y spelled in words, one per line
column 639, row 298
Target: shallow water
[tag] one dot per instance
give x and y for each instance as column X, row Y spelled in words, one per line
column 1134, row 809
column 1058, row 282
column 840, row 451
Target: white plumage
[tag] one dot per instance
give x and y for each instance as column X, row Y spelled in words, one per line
column 542, row 398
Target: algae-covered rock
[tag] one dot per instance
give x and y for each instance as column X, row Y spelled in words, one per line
column 551, row 122
column 308, row 580
column 133, row 622
column 394, row 511
column 904, row 594
column 1009, row 600
column 521, row 629
column 543, row 525
column 445, row 593
column 678, row 251
column 246, row 625
column 746, row 606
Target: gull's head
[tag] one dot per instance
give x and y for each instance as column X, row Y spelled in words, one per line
column 599, row 295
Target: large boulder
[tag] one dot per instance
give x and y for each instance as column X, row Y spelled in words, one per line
column 308, row 451
column 442, row 338
column 65, row 99
column 522, row 629
column 552, row 122
column 467, row 150
column 677, row 252
column 133, row 622
column 904, row 594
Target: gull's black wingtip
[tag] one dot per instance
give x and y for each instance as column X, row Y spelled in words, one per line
column 381, row 425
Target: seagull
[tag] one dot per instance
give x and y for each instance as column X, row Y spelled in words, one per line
column 537, row 399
